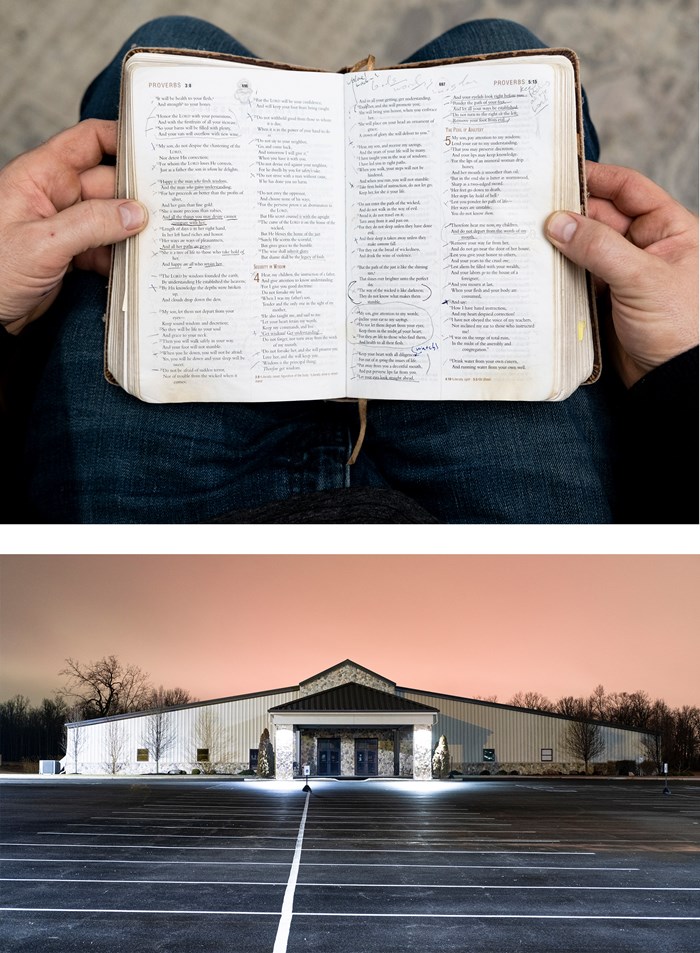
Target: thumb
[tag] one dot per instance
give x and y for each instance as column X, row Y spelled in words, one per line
column 90, row 224
column 597, row 247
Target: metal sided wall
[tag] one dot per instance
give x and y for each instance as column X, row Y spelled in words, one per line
column 228, row 728
column 515, row 735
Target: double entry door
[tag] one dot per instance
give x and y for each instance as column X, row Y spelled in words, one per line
column 366, row 761
column 329, row 756
column 366, row 756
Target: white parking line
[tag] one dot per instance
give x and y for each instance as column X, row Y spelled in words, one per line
column 487, row 916
column 171, row 836
column 324, row 884
column 417, row 850
column 315, row 850
column 278, row 863
column 98, row 880
column 369, row 915
column 468, row 867
column 393, row 886
column 234, row 823
column 153, row 863
column 282, row 937
column 375, row 840
column 131, row 911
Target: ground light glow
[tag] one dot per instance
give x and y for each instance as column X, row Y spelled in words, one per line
column 400, row 785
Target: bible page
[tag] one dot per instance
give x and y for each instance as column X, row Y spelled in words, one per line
column 450, row 279
column 240, row 288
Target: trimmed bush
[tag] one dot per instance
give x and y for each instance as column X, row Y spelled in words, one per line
column 266, row 767
column 441, row 759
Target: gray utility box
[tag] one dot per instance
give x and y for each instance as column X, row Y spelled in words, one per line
column 49, row 767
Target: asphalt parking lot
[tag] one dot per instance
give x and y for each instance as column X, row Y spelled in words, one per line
column 206, row 865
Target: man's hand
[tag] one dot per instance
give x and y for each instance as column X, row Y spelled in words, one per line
column 644, row 245
column 56, row 208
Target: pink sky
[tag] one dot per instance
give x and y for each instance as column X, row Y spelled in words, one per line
column 463, row 625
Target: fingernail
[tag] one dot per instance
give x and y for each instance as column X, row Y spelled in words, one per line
column 132, row 214
column 562, row 227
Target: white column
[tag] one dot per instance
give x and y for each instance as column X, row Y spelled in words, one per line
column 422, row 753
column 284, row 752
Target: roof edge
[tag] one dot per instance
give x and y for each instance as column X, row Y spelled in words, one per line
column 197, row 704
column 347, row 661
column 529, row 711
column 304, row 699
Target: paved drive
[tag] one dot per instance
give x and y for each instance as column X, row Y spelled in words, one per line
column 212, row 866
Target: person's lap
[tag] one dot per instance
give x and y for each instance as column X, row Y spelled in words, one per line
column 96, row 454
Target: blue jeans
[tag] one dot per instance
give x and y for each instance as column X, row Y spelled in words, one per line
column 98, row 455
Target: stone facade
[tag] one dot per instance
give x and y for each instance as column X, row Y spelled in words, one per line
column 385, row 750
column 344, row 673
column 406, row 753
column 414, row 757
column 525, row 767
column 422, row 753
column 284, row 753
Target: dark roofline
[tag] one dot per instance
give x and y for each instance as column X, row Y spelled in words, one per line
column 302, row 703
column 201, row 704
column 295, row 688
column 529, row 711
column 347, row 661
column 229, row 698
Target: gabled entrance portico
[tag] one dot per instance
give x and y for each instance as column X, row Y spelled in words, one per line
column 353, row 731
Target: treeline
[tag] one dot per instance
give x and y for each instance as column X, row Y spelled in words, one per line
column 32, row 733
column 93, row 690
column 673, row 734
column 110, row 687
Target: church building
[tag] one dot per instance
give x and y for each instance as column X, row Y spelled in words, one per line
column 346, row 721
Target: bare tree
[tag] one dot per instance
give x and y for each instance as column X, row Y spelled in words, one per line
column 114, row 747
column 211, row 737
column 14, row 725
column 533, row 700
column 686, row 736
column 105, row 687
column 168, row 697
column 658, row 743
column 29, row 732
column 568, row 705
column 159, row 736
column 75, row 738
column 599, row 703
column 584, row 739
column 630, row 708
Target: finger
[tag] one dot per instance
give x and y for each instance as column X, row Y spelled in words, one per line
column 603, row 210
column 630, row 191
column 598, row 248
column 87, row 225
column 658, row 227
column 50, row 173
column 95, row 259
column 97, row 183
column 82, row 146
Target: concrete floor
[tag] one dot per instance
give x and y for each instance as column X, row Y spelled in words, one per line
column 639, row 58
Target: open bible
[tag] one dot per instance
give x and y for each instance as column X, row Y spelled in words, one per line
column 374, row 233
